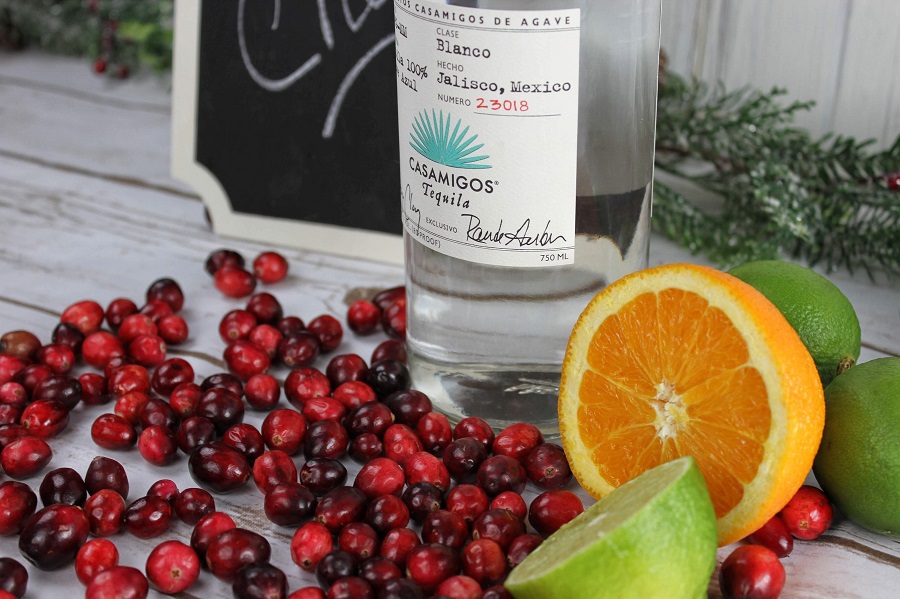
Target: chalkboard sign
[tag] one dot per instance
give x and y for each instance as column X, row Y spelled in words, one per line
column 285, row 121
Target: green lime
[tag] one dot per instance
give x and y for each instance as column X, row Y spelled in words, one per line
column 655, row 536
column 858, row 464
column 819, row 312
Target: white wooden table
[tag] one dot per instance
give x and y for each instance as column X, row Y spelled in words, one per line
column 88, row 210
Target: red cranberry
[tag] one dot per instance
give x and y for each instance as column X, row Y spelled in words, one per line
column 219, row 467
column 223, row 407
column 20, row 344
column 310, row 544
column 267, row 338
column 463, row 458
column 68, row 335
column 469, row 501
column 245, row 359
column 183, row 399
column 118, row 582
column 344, row 368
column 424, row 467
column 298, row 350
column 388, row 376
column 547, row 467
column 262, row 392
column 459, row 587
column 135, row 326
column 247, row 439
column 408, row 406
column 484, row 561
column 290, row 325
column 350, row 587
column 393, row 320
column 259, row 581
column 157, row 445
column 194, row 432
column 29, row 377
column 358, row 539
column 14, row 394
column 208, row 528
column 285, row 430
column 390, row 349
column 341, row 506
column 58, row 358
column 93, row 388
column 551, row 509
column 386, row 297
column 166, row 290
column 512, row 501
column 170, row 374
column 52, row 536
column 25, row 457
column 13, row 577
column 365, row 448
column 17, row 504
column 321, row 475
column 86, row 315
column 45, row 418
column 234, row 281
column 111, row 431
column 104, row 510
column 775, row 536
column 148, row 517
column 498, row 525
column 337, row 564
column 270, row 267
column 63, row 485
column 323, row 408
column 172, row 567
column 402, row 588
column 430, row 564
column 517, row 440
column 434, row 430
column 94, row 557
column 377, row 571
column 12, row 366
column 235, row 548
column 397, row 544
column 173, row 329
column 11, row 432
column 381, row 476
column 473, row 426
column 156, row 310
column 273, row 468
column 128, row 378
column 307, row 593
column 157, row 412
column 372, row 417
column 130, row 406
column 289, row 504
column 328, row 331
column 386, row 513
column 192, row 504
column 354, row 394
column 421, row 499
column 10, row 414
column 223, row 380
column 166, row 489
column 60, row 387
column 445, row 527
column 236, row 325
column 325, row 439
column 521, row 547
column 303, row 384
column 363, row 317
column 751, row 571
column 808, row 513
column 223, row 257
column 266, row 308
column 148, row 350
column 400, row 442
column 501, row 473
column 119, row 309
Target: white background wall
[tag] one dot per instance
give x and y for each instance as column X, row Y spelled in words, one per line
column 844, row 54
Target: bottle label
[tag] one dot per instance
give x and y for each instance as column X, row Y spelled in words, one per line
column 488, row 113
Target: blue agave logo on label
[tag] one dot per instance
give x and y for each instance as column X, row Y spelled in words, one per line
column 432, row 138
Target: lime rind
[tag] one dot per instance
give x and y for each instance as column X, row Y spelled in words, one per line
column 654, row 536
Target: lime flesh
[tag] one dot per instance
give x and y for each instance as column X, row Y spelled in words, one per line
column 655, row 536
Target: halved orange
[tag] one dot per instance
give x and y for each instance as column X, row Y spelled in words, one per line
column 682, row 360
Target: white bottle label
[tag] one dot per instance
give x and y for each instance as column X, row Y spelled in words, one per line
column 488, row 113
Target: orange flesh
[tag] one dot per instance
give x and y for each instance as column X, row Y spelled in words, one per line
column 667, row 391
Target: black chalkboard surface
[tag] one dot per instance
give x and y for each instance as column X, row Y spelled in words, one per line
column 285, row 121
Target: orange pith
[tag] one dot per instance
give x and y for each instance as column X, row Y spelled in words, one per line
column 686, row 360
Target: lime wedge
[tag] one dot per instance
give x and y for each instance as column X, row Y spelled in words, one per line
column 655, row 536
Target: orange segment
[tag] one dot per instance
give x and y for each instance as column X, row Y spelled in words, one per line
column 686, row 360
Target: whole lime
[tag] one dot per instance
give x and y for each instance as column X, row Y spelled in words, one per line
column 858, row 463
column 819, row 312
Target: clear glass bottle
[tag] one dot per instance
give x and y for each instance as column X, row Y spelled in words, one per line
column 487, row 339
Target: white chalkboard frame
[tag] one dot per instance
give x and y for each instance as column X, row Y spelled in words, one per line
column 342, row 241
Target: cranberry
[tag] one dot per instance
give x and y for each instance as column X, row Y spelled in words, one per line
column 298, row 350
column 86, row 315
column 424, row 467
column 184, row 398
column 551, row 509
column 223, row 407
column 247, row 439
column 344, row 368
column 308, row 593
column 547, row 467
column 386, row 513
column 774, row 536
column 273, row 468
column 325, row 439
column 157, row 445
column 59, row 387
column 259, row 581
column 235, row 548
column 192, row 504
column 400, row 442
column 148, row 350
column 808, row 513
column 63, row 485
column 386, row 297
column 323, row 408
column 445, row 527
column 223, row 380
column 289, row 325
column 289, row 504
column 25, row 457
column 118, row 310
column 512, row 501
column 20, row 344
column 390, row 349
column 270, row 267
column 521, row 547
column 377, row 571
column 267, row 338
column 166, row 489
column 12, row 366
column 358, row 539
column 459, row 587
column 58, row 358
column 517, row 440
column 128, row 378
column 372, row 417
column 172, row 567
column 94, row 557
column 130, row 406
column 245, row 359
column 473, row 426
column 166, row 290
column 262, row 392
column 111, row 431
column 381, row 476
column 501, row 473
column 93, row 388
column 421, row 499
column 484, row 561
column 157, row 412
column 393, row 320
column 170, row 374
column 350, row 587
column 156, row 310
column 11, row 432
column 134, row 326
column 285, row 430
column 52, row 536
column 266, row 308
column 387, row 376
column 118, row 582
column 234, row 281
column 430, row 564
column 303, row 384
column 104, row 510
column 751, row 571
column 10, row 414
column 208, row 528
column 148, row 517
column 335, row 565
column 408, row 406
column 236, row 325
column 354, row 394
column 434, row 430
column 173, row 329
column 69, row 336
column 328, row 331
column 365, row 448
column 363, row 317
column 401, row 588
column 13, row 577
column 498, row 591
column 397, row 544
column 310, row 544
column 498, row 525
column 219, row 467
column 463, row 458
column 29, row 377
column 14, row 394
column 223, row 257
column 321, row 475
column 194, row 432
column 341, row 506
column 17, row 503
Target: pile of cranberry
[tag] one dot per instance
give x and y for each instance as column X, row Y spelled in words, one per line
column 435, row 510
